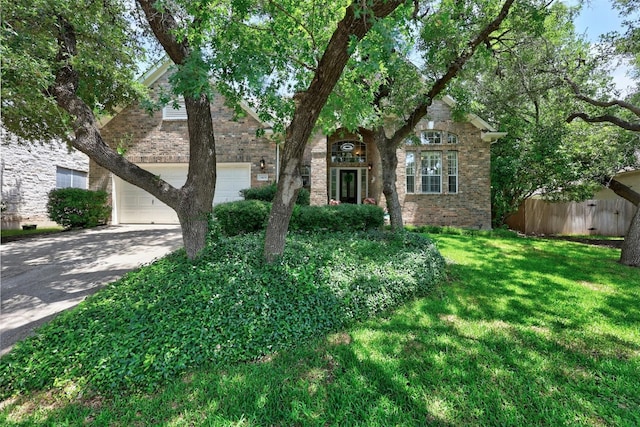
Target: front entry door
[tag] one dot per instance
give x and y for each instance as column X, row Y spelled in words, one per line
column 349, row 186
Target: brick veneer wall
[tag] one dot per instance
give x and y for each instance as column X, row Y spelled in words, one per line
column 469, row 207
column 150, row 139
column 28, row 173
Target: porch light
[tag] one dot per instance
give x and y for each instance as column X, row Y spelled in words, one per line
column 262, row 163
column 370, row 166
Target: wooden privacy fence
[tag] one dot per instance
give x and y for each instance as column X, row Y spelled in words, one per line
column 601, row 217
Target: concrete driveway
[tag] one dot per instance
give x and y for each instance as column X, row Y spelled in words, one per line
column 44, row 275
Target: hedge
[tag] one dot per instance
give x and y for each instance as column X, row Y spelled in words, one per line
column 78, row 208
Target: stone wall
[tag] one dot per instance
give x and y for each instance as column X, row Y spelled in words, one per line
column 147, row 138
column 27, row 174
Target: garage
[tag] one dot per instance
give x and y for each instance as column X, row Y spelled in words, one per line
column 133, row 205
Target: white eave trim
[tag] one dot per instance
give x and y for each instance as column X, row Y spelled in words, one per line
column 492, row 136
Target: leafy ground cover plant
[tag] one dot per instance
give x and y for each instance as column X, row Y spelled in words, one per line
column 226, row 307
column 525, row 332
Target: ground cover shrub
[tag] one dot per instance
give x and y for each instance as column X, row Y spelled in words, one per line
column 266, row 193
column 78, row 208
column 227, row 306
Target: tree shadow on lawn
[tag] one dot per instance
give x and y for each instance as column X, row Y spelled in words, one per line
column 419, row 367
column 505, row 351
column 528, row 283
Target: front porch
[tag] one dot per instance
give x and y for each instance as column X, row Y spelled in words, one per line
column 343, row 168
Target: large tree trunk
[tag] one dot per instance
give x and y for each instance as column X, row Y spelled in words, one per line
column 308, row 107
column 630, row 254
column 193, row 202
column 288, row 187
column 196, row 196
column 389, row 162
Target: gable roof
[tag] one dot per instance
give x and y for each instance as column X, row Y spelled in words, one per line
column 489, row 133
column 158, row 70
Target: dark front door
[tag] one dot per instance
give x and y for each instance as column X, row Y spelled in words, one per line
column 348, row 186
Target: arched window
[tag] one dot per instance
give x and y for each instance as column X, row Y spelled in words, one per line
column 348, row 151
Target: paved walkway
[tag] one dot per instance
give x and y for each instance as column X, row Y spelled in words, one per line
column 44, row 275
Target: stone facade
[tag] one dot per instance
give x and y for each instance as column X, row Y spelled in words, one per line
column 469, row 206
column 28, row 173
column 148, row 138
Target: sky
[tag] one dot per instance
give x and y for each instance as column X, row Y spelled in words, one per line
column 598, row 17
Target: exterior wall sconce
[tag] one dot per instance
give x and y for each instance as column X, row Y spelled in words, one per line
column 370, row 166
column 262, row 163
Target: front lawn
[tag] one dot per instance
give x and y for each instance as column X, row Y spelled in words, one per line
column 525, row 332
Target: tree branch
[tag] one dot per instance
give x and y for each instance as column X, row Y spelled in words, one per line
column 454, row 68
column 164, row 25
column 85, row 126
column 624, row 191
column 605, row 118
column 633, row 126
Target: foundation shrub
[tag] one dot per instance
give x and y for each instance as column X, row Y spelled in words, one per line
column 243, row 216
column 247, row 216
column 266, row 193
column 346, row 217
column 78, row 208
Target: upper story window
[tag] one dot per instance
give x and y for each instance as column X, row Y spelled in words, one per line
column 66, row 178
column 431, row 137
column 170, row 112
column 349, row 152
column 437, row 137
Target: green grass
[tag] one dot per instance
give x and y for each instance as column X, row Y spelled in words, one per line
column 526, row 332
column 20, row 232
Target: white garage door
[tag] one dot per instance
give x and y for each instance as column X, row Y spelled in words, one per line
column 135, row 206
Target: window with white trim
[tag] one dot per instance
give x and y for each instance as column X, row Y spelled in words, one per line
column 430, row 137
column 66, row 178
column 170, row 112
column 305, row 173
column 411, row 171
column 431, row 171
column 424, row 168
column 452, row 171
